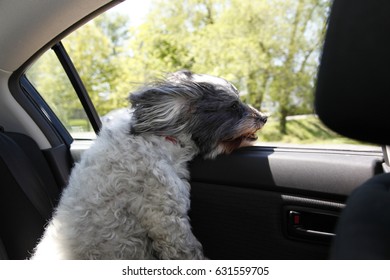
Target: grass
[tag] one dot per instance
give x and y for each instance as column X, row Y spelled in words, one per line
column 307, row 130
column 78, row 125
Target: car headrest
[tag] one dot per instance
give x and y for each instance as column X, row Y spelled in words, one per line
column 353, row 86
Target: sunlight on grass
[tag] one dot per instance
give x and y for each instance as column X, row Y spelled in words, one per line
column 308, row 130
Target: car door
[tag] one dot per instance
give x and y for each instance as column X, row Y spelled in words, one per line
column 273, row 202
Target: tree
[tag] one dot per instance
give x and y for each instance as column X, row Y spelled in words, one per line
column 295, row 78
column 268, row 48
column 102, row 62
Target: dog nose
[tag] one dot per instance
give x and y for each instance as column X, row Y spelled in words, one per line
column 262, row 118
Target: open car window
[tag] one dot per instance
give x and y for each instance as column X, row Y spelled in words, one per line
column 270, row 50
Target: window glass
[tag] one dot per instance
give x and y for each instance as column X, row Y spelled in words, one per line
column 270, row 50
column 51, row 81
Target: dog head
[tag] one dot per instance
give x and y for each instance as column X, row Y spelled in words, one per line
column 205, row 107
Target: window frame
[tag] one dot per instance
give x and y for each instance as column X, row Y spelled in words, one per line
column 78, row 86
column 43, row 109
column 29, row 98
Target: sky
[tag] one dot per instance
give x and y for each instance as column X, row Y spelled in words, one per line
column 135, row 9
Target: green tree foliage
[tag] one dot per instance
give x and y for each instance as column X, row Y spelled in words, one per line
column 268, row 48
column 102, row 62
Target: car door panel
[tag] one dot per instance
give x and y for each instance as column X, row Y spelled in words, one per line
column 241, row 204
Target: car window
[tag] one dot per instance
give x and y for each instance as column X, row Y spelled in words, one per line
column 270, row 50
column 49, row 78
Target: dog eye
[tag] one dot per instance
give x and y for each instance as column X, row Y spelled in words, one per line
column 234, row 106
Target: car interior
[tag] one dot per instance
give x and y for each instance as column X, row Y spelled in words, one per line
column 260, row 202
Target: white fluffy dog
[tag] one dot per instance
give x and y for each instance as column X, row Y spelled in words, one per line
column 128, row 197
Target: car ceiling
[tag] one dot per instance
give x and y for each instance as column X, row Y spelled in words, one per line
column 24, row 31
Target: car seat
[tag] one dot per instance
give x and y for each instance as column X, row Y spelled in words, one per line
column 352, row 98
column 28, row 194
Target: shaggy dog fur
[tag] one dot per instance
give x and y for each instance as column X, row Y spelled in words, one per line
column 128, row 197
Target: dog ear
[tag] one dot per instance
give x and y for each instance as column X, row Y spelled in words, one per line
column 159, row 110
column 144, row 96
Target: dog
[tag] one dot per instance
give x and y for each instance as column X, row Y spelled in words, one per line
column 129, row 195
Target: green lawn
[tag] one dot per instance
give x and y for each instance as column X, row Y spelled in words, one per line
column 308, row 130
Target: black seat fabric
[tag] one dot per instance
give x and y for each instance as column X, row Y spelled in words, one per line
column 352, row 94
column 22, row 222
column 363, row 231
column 3, row 252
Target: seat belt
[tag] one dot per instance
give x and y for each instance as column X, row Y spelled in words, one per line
column 18, row 164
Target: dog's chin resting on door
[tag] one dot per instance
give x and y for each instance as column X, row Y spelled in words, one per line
column 129, row 195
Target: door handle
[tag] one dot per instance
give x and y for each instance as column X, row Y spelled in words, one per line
column 310, row 224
